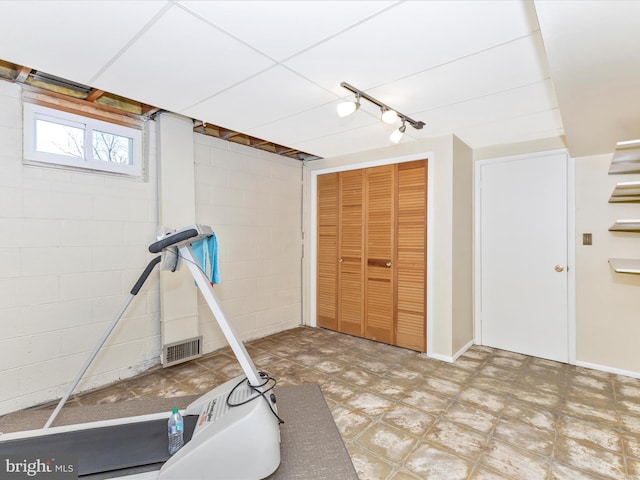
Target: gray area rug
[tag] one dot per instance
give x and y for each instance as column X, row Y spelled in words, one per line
column 311, row 445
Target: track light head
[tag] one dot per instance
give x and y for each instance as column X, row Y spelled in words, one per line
column 347, row 108
column 389, row 116
column 397, row 134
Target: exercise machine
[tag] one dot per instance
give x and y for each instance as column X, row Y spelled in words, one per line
column 231, row 432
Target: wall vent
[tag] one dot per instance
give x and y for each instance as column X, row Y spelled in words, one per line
column 183, row 351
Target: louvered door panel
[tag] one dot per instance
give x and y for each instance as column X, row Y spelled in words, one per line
column 379, row 247
column 350, row 252
column 411, row 255
column 327, row 261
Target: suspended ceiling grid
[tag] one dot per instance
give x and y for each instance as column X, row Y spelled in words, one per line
column 490, row 72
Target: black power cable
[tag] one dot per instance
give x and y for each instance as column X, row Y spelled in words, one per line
column 260, row 393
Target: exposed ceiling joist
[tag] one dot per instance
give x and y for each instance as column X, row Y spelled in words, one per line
column 94, row 94
column 149, row 111
column 257, row 143
column 59, row 93
column 23, row 73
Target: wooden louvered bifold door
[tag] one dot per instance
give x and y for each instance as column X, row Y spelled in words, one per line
column 371, row 264
column 327, row 291
column 411, row 234
column 350, row 252
column 379, row 247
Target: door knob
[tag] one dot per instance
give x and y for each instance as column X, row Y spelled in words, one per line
column 340, row 260
column 388, row 264
column 559, row 268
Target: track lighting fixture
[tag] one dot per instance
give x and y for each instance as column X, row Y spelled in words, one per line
column 347, row 108
column 389, row 115
column 397, row 134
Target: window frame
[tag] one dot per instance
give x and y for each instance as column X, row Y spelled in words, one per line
column 34, row 112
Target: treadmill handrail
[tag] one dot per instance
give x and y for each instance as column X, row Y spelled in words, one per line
column 189, row 234
column 134, row 291
column 172, row 239
column 143, row 277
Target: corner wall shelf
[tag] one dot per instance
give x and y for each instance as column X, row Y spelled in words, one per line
column 626, row 158
column 624, row 168
column 623, row 265
column 626, row 192
column 625, row 226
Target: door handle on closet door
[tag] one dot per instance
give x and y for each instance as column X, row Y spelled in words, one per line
column 559, row 268
column 340, row 260
column 388, row 264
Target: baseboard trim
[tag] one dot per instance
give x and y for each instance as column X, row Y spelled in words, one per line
column 454, row 357
column 442, row 358
column 604, row 368
column 463, row 349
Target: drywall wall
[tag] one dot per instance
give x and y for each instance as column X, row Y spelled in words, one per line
column 252, row 199
column 462, row 236
column 72, row 244
column 444, row 281
column 511, row 149
column 607, row 303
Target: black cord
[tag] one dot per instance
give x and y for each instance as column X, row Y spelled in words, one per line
column 260, row 393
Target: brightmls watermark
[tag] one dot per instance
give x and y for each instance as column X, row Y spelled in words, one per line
column 17, row 467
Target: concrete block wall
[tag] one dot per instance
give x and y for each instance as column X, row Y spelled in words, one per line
column 72, row 244
column 252, row 200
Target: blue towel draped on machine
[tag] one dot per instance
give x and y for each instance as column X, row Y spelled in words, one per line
column 206, row 251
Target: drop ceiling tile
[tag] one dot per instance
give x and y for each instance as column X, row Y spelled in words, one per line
column 511, row 65
column 412, row 37
column 513, row 103
column 179, row 61
column 70, row 39
column 513, row 130
column 269, row 96
column 317, row 122
column 360, row 139
column 280, row 29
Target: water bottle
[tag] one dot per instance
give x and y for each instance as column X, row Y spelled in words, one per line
column 175, row 429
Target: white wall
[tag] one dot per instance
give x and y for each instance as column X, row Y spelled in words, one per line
column 607, row 303
column 463, row 241
column 71, row 245
column 252, row 199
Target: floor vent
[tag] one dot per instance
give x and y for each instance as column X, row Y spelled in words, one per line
column 183, row 351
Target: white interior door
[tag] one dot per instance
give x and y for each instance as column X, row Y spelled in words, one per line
column 523, row 255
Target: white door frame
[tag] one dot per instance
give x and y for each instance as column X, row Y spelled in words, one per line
column 313, row 247
column 571, row 246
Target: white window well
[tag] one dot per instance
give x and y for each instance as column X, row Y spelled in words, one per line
column 63, row 138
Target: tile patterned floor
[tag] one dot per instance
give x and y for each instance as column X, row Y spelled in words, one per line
column 492, row 414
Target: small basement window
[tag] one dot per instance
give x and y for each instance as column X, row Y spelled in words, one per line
column 62, row 138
